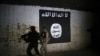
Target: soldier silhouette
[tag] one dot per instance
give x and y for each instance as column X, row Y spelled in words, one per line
column 32, row 38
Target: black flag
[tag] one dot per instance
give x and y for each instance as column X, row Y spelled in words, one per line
column 57, row 24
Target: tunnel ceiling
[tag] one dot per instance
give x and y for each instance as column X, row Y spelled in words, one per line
column 85, row 5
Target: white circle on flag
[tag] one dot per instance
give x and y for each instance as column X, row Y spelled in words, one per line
column 56, row 30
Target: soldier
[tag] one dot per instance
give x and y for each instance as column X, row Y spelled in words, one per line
column 44, row 39
column 32, row 38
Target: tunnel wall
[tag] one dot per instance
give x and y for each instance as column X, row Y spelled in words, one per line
column 15, row 20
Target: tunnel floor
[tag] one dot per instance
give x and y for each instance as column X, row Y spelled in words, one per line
column 82, row 52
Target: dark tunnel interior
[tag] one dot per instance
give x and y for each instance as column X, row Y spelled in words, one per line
column 84, row 5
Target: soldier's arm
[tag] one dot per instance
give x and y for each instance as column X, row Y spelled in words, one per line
column 24, row 36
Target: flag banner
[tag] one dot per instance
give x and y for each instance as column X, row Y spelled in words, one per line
column 57, row 24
